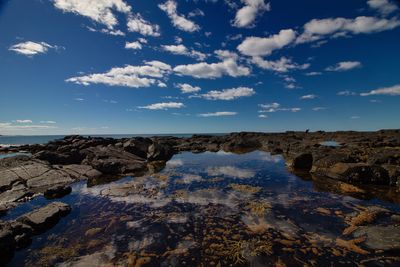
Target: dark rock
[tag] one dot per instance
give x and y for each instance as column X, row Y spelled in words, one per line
column 359, row 173
column 160, row 151
column 57, row 191
column 394, row 174
column 3, row 210
column 7, row 245
column 46, row 217
column 73, row 157
column 303, row 161
column 138, row 146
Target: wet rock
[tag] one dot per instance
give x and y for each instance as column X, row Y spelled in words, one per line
column 303, row 161
column 46, row 217
column 57, row 191
column 359, row 173
column 394, row 174
column 160, row 151
column 385, row 238
column 3, row 210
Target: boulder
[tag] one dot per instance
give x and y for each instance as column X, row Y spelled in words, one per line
column 160, row 151
column 303, row 161
column 359, row 173
column 137, row 146
column 46, row 217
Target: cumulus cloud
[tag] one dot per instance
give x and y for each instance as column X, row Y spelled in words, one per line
column 218, row 114
column 133, row 45
column 178, row 20
column 231, row 171
column 385, row 7
column 137, row 24
column 228, row 94
column 281, row 65
column 30, row 48
column 344, row 66
column 274, row 107
column 246, row 16
column 264, row 46
column 318, row 29
column 180, row 49
column 129, row 76
column 99, row 11
column 227, row 66
column 163, row 106
column 392, row 90
column 306, row 97
column 187, row 88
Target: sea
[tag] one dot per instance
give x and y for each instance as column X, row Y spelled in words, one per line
column 15, row 140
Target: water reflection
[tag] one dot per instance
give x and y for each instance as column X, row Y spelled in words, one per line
column 211, row 209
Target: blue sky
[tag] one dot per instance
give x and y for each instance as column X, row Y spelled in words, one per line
column 130, row 66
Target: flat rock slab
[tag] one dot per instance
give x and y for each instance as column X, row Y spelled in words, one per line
column 44, row 218
column 380, row 237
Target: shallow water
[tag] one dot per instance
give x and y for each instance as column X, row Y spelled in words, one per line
column 330, row 143
column 208, row 209
column 9, row 155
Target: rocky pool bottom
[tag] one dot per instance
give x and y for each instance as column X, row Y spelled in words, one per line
column 217, row 209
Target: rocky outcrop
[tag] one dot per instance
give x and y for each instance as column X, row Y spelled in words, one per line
column 160, row 151
column 17, row 234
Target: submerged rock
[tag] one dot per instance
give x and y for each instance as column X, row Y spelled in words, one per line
column 385, row 238
column 44, row 218
column 57, row 191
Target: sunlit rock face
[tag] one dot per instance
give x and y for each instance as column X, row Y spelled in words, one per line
column 214, row 208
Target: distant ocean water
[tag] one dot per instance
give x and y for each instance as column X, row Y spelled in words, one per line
column 9, row 140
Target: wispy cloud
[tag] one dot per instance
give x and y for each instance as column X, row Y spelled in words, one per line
column 246, row 16
column 178, row 20
column 228, row 94
column 218, row 114
column 344, row 66
column 392, row 90
column 30, row 48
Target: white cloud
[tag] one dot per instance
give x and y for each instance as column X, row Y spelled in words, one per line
column 319, row 108
column 213, row 70
column 281, row 65
column 30, row 48
column 183, row 50
column 246, row 16
column 392, row 90
column 187, row 88
column 99, row 11
column 218, row 114
column 129, row 76
column 344, row 66
column 262, row 116
column 229, row 94
column 10, row 128
column 305, row 97
column 79, row 99
column 178, row 20
column 274, row 107
column 48, row 122
column 163, row 106
column 384, row 7
column 24, row 121
column 137, row 24
column 317, row 29
column 231, row 171
column 263, row 46
column 133, row 45
column 313, row 73
column 346, row 93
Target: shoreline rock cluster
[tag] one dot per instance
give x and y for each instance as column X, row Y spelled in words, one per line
column 360, row 158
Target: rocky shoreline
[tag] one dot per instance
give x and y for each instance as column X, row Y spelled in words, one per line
column 358, row 161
